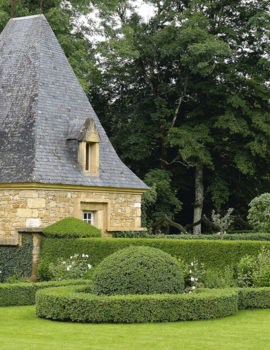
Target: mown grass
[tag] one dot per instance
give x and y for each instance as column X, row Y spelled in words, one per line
column 20, row 329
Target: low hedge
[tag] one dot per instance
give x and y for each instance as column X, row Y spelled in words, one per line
column 212, row 237
column 24, row 293
column 68, row 304
column 254, row 298
column 214, row 254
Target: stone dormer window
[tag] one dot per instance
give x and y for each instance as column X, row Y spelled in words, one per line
column 88, row 146
column 88, row 157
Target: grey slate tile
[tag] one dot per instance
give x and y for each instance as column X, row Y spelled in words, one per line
column 41, row 102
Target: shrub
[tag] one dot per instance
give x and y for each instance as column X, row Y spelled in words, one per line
column 245, row 270
column 261, row 275
column 44, row 271
column 67, row 304
column 77, row 266
column 259, row 212
column 219, row 279
column 24, row 293
column 193, row 274
column 255, row 271
column 71, row 227
column 138, row 270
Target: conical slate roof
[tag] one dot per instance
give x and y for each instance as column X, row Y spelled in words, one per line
column 41, row 104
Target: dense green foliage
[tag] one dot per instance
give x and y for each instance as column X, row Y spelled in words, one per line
column 226, row 237
column 138, row 270
column 253, row 298
column 183, row 86
column 255, row 270
column 66, row 304
column 191, row 91
column 24, row 293
column 225, row 278
column 71, row 227
column 245, row 270
column 17, row 260
column 77, row 266
column 215, row 254
column 259, row 212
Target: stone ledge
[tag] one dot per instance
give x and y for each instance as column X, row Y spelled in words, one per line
column 120, row 228
column 30, row 230
column 9, row 241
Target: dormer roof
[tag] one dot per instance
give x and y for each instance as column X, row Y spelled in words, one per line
column 42, row 107
column 87, row 132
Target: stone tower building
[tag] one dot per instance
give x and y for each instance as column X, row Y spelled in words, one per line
column 55, row 157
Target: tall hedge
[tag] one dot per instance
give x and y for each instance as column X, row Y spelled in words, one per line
column 250, row 236
column 215, row 254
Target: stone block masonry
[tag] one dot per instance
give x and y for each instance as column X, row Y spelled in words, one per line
column 31, row 206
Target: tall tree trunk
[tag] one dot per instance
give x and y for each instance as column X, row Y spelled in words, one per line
column 199, row 192
column 164, row 147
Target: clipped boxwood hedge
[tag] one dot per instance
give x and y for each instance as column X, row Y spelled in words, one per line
column 71, row 227
column 68, row 304
column 215, row 254
column 24, row 293
column 254, row 298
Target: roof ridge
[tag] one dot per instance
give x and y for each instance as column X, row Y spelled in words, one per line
column 26, row 17
column 41, row 17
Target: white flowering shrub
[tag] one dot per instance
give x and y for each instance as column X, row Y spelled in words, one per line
column 76, row 267
column 193, row 274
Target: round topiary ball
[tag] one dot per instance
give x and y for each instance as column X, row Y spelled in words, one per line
column 138, row 270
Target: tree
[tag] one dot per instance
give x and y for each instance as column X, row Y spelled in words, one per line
column 186, row 92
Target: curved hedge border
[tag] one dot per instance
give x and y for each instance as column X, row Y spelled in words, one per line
column 24, row 293
column 72, row 303
column 254, row 298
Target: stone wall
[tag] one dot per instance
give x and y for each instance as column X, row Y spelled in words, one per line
column 115, row 210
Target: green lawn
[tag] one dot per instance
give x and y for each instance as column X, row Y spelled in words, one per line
column 21, row 330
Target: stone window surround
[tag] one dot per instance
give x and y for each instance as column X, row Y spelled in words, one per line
column 101, row 209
